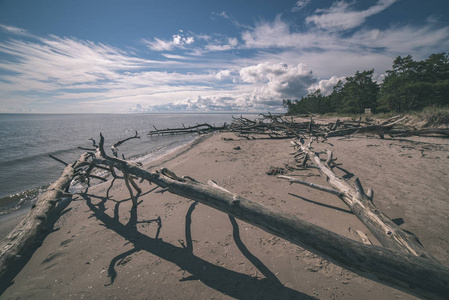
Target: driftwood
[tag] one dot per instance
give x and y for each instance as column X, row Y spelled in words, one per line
column 413, row 274
column 361, row 204
column 407, row 267
column 282, row 127
column 199, row 128
column 24, row 234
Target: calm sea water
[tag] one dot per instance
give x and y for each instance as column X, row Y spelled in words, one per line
column 26, row 140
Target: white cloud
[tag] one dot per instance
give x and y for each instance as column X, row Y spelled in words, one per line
column 404, row 40
column 223, row 74
column 326, row 86
column 14, row 30
column 233, row 42
column 341, row 16
column 333, row 47
column 277, row 81
column 299, row 5
column 173, row 56
column 219, row 45
column 177, row 41
column 67, row 71
column 214, row 103
column 64, row 61
column 277, row 34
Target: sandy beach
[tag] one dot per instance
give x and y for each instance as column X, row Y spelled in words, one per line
column 172, row 248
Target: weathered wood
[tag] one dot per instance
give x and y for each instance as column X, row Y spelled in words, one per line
column 118, row 143
column 312, row 185
column 380, row 225
column 23, row 235
column 199, row 128
column 280, row 127
column 363, row 237
column 415, row 275
column 380, row 129
column 423, row 132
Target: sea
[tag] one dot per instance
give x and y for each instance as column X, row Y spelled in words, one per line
column 27, row 140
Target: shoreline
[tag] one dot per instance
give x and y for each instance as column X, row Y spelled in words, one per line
column 199, row 253
column 9, row 220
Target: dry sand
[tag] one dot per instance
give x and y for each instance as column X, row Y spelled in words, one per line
column 105, row 250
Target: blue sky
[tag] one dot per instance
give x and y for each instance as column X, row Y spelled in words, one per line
column 160, row 56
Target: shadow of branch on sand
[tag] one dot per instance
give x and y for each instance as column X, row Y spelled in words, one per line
column 322, row 204
column 234, row 284
column 253, row 259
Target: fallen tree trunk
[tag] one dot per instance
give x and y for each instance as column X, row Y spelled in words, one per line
column 424, row 131
column 415, row 275
column 24, row 234
column 381, row 226
column 199, row 128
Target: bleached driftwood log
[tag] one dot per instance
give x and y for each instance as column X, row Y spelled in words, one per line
column 361, row 204
column 24, row 234
column 405, row 271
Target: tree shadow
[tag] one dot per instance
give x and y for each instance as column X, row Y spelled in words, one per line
column 348, row 175
column 398, row 221
column 253, row 259
column 234, row 284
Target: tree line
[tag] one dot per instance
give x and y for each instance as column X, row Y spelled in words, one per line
column 409, row 86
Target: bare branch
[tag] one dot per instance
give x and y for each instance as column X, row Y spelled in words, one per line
column 312, row 185
column 59, row 160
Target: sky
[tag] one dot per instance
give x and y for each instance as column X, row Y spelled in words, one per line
column 110, row 56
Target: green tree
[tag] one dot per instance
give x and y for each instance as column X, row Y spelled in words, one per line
column 359, row 92
column 337, row 97
column 413, row 85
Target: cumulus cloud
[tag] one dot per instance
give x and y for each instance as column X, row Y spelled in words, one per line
column 223, row 74
column 341, row 16
column 275, row 82
column 326, row 86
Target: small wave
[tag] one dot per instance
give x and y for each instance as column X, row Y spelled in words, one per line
column 34, row 157
column 20, row 200
column 15, row 202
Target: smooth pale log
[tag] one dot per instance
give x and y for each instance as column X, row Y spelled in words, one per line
column 312, row 185
column 24, row 234
column 414, row 275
